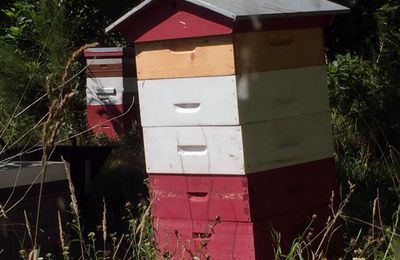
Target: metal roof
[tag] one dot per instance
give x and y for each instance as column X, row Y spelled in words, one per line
column 240, row 9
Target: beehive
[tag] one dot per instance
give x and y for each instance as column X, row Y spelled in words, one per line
column 236, row 123
column 111, row 88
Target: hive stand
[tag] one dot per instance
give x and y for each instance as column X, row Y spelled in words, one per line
column 236, row 121
column 20, row 183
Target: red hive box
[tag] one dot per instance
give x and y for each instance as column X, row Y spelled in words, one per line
column 183, row 239
column 111, row 120
column 243, row 198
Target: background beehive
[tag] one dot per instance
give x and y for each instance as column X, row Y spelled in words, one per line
column 111, row 90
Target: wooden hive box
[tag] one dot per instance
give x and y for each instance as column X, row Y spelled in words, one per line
column 243, row 198
column 238, row 150
column 183, row 239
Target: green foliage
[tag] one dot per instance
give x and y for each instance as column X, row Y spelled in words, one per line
column 91, row 17
column 17, row 14
column 364, row 92
column 34, row 49
column 36, row 38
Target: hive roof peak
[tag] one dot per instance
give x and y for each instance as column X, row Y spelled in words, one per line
column 242, row 9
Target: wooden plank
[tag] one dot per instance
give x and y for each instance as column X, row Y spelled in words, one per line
column 274, row 50
column 211, row 56
column 238, row 150
column 243, row 198
column 233, row 100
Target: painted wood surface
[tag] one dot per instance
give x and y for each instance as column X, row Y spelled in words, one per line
column 108, row 96
column 282, row 49
column 122, row 84
column 111, row 120
column 238, row 150
column 200, row 150
column 283, row 23
column 287, row 141
column 110, row 62
column 235, row 240
column 111, row 70
column 189, row 101
column 243, row 198
column 101, row 61
column 210, row 56
column 213, row 56
column 174, row 19
column 22, row 173
column 233, row 100
column 110, row 52
column 104, row 96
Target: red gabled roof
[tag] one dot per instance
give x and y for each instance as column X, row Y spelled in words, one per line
column 170, row 19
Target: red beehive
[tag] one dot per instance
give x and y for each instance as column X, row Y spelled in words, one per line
column 111, row 90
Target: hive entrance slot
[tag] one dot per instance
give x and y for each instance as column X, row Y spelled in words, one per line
column 180, row 48
column 198, row 150
column 187, row 108
column 200, row 235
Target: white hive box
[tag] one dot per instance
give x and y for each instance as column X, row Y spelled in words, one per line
column 238, row 150
column 233, row 100
column 109, row 91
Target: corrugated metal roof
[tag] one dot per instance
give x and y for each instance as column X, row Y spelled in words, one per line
column 239, row 9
